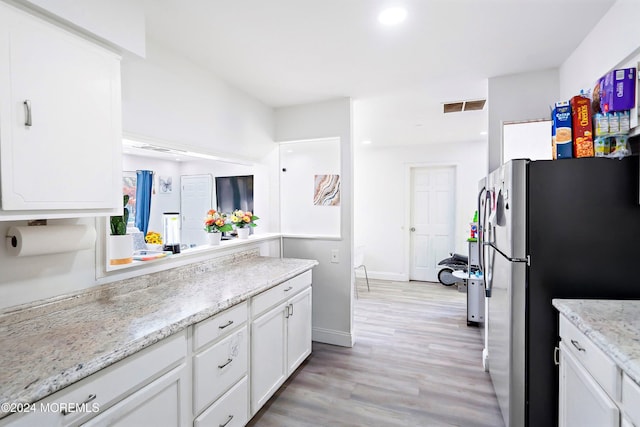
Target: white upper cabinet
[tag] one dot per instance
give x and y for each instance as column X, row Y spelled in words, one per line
column 60, row 122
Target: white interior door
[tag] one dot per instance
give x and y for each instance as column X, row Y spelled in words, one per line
column 432, row 220
column 195, row 200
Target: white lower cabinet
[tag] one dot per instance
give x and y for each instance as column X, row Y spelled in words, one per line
column 167, row 384
column 156, row 377
column 299, row 330
column 218, row 368
column 268, row 355
column 228, row 411
column 280, row 336
column 630, row 401
column 164, row 402
column 583, row 402
column 593, row 390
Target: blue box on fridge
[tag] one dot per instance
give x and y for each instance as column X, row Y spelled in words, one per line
column 561, row 131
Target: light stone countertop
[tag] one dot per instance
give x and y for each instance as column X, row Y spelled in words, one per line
column 613, row 325
column 52, row 344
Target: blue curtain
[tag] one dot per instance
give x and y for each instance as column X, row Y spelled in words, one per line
column 143, row 199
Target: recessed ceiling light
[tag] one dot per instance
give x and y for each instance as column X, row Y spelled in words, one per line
column 366, row 142
column 392, row 16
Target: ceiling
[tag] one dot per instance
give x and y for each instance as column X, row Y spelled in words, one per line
column 288, row 52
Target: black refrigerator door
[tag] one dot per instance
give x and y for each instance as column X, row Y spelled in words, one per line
column 583, row 236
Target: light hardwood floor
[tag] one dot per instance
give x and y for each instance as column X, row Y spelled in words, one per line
column 415, row 363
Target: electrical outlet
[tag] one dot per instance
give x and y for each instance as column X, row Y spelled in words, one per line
column 334, row 256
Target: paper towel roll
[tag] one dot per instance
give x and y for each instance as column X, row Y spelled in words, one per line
column 49, row 239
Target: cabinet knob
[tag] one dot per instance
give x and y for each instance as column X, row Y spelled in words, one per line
column 412, row 229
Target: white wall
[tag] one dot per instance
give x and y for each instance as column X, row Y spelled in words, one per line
column 332, row 282
column 610, row 44
column 170, row 99
column 518, row 97
column 120, row 22
column 302, row 162
column 381, row 197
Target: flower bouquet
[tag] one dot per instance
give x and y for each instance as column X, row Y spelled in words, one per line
column 216, row 222
column 243, row 221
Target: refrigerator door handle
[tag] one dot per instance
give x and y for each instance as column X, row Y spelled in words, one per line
column 526, row 260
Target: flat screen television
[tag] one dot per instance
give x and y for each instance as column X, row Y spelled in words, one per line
column 234, row 192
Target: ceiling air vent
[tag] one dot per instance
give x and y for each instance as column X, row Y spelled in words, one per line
column 456, row 107
column 453, row 107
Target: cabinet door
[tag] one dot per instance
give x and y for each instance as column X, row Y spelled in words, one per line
column 298, row 330
column 268, row 355
column 164, row 402
column 69, row 155
column 582, row 400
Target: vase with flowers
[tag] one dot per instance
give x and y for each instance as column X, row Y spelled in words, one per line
column 215, row 223
column 243, row 221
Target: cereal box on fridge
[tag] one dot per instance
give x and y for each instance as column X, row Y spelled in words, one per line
column 561, row 119
column 582, row 126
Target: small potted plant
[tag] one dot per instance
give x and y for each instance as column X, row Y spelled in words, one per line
column 243, row 221
column 215, row 223
column 120, row 243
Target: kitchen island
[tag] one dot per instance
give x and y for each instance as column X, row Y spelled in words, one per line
column 599, row 361
column 49, row 345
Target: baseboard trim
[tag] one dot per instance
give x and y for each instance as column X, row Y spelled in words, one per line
column 382, row 275
column 333, row 337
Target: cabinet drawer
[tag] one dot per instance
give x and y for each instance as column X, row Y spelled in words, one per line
column 106, row 387
column 218, row 367
column 219, row 325
column 231, row 410
column 285, row 290
column 595, row 361
column 631, row 400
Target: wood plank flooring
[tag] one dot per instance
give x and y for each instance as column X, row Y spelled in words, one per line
column 415, row 363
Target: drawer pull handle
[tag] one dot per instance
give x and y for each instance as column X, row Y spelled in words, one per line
column 291, row 305
column 556, row 359
column 577, row 345
column 226, row 422
column 229, row 323
column 288, row 289
column 225, row 363
column 27, row 113
column 89, row 398
column 286, row 312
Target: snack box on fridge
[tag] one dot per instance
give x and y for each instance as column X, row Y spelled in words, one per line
column 582, row 126
column 618, row 90
column 561, row 130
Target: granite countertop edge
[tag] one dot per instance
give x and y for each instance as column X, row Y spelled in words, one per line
column 609, row 346
column 41, row 388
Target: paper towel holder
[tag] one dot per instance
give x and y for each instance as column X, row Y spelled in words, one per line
column 30, row 223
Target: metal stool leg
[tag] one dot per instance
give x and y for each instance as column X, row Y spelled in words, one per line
column 366, row 276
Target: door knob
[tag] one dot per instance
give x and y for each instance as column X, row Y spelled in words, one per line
column 412, row 229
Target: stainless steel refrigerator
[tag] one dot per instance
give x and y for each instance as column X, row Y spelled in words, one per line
column 551, row 229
